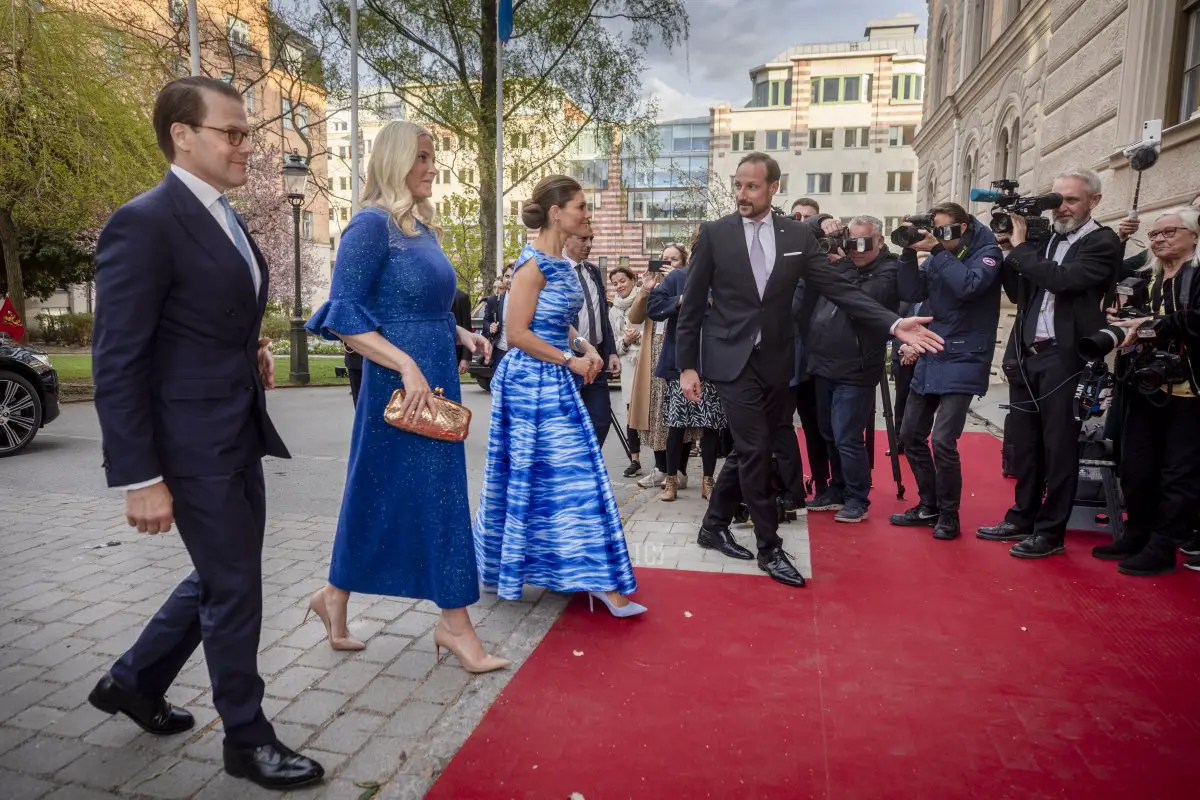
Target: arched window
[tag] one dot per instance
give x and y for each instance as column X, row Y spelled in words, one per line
column 1008, row 147
column 931, row 195
column 970, row 176
column 976, row 33
column 941, row 63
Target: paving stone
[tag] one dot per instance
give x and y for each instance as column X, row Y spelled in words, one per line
column 60, row 651
column 335, row 789
column 227, row 787
column 37, row 718
column 349, row 732
column 384, row 648
column 377, row 760
column 78, row 722
column 275, row 659
column 385, row 695
column 351, row 677
column 106, row 767
column 173, row 778
column 22, row 697
column 79, row 793
column 293, row 680
column 413, row 719
column 313, row 707
column 23, row 787
column 443, row 685
column 411, row 664
column 44, row 755
column 413, row 624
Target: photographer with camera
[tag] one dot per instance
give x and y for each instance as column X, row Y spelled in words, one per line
column 959, row 286
column 1058, row 286
column 1160, row 466
column 846, row 360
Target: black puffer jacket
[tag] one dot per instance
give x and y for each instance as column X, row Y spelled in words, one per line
column 841, row 351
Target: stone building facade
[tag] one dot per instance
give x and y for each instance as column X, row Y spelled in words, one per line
column 1024, row 89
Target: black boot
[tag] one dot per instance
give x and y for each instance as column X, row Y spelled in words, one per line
column 1156, row 558
column 1037, row 546
column 1130, row 544
column 947, row 526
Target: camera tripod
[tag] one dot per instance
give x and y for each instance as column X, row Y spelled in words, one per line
column 885, row 395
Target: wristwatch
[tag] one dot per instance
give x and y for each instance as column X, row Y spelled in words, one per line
column 567, row 356
column 577, row 344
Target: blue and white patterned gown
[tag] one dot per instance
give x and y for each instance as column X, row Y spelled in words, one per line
column 547, row 516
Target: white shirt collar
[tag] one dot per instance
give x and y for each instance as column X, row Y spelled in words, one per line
column 205, row 192
column 765, row 220
column 1082, row 230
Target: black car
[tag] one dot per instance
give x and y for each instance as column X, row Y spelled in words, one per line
column 28, row 394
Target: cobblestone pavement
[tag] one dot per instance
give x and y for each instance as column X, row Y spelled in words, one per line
column 76, row 587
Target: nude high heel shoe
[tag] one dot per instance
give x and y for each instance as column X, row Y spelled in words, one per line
column 442, row 637
column 316, row 605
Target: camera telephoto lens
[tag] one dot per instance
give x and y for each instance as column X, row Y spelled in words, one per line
column 1101, row 343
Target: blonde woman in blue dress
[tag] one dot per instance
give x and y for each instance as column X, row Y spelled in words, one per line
column 548, row 517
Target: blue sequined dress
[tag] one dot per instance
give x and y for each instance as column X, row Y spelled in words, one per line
column 547, row 516
column 405, row 524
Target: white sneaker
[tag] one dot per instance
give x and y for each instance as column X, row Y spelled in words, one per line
column 654, row 478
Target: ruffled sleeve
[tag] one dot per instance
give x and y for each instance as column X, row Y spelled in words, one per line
column 361, row 259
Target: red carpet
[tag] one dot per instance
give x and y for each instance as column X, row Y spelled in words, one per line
column 910, row 668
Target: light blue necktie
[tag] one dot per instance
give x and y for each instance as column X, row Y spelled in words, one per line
column 758, row 260
column 239, row 240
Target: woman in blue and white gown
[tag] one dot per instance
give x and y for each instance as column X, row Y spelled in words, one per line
column 548, row 516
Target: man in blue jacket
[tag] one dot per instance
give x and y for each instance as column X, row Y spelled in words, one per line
column 959, row 286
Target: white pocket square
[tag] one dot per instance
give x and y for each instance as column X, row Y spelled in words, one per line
column 794, row 253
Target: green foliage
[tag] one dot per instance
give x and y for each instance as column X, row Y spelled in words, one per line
column 573, row 79
column 64, row 330
column 51, row 260
column 75, row 133
column 462, row 240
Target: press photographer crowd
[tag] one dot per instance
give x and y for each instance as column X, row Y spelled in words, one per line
column 1095, row 335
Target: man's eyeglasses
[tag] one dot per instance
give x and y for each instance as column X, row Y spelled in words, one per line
column 1165, row 233
column 235, row 135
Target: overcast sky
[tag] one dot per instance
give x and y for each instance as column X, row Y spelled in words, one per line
column 728, row 37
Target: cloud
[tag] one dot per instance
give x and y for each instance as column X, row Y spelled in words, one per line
column 729, row 37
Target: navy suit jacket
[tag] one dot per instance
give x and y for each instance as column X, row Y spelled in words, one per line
column 175, row 347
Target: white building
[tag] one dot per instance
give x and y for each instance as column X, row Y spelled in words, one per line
column 839, row 117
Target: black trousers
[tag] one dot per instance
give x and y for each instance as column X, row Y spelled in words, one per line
column 635, row 441
column 903, row 376
column 1160, row 466
column 221, row 520
column 788, row 461
column 814, row 442
column 753, row 406
column 938, row 472
column 355, row 376
column 1045, row 445
column 599, row 405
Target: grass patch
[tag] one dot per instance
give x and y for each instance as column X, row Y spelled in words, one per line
column 75, row 372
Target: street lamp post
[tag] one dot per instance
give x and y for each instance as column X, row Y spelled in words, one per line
column 295, row 183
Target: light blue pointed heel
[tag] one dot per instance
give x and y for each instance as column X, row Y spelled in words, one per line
column 630, row 610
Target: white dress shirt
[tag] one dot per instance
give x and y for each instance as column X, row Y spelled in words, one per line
column 210, row 198
column 584, row 328
column 502, row 339
column 1045, row 323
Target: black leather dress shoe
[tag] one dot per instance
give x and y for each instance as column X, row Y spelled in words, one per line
column 723, row 542
column 1038, row 546
column 1127, row 546
column 776, row 564
column 1004, row 532
column 272, row 766
column 152, row 714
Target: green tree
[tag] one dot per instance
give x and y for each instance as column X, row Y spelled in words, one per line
column 52, row 260
column 75, row 133
column 571, row 66
column 462, row 240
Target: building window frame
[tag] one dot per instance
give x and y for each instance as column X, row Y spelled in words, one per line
column 1184, row 88
column 858, row 138
column 823, row 86
column 908, row 87
column 901, row 135
column 900, row 182
column 820, row 183
column 854, row 183
column 820, row 138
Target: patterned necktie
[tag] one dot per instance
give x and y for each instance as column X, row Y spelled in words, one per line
column 758, row 259
column 239, row 240
column 587, row 299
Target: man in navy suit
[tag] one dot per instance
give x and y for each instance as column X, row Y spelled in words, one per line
column 180, row 375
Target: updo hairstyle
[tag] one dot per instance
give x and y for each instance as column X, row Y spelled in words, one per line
column 553, row 190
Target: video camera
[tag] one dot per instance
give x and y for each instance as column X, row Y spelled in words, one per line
column 1007, row 202
column 847, row 244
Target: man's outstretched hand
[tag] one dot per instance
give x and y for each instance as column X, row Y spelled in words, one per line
column 912, row 331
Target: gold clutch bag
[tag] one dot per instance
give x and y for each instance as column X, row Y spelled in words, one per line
column 449, row 421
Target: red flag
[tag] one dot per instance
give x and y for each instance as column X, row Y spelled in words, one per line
column 10, row 321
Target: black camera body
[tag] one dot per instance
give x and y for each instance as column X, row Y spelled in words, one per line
column 1007, row 202
column 908, row 235
column 846, row 244
column 1155, row 369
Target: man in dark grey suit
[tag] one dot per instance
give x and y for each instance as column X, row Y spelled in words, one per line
column 749, row 264
column 180, row 373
